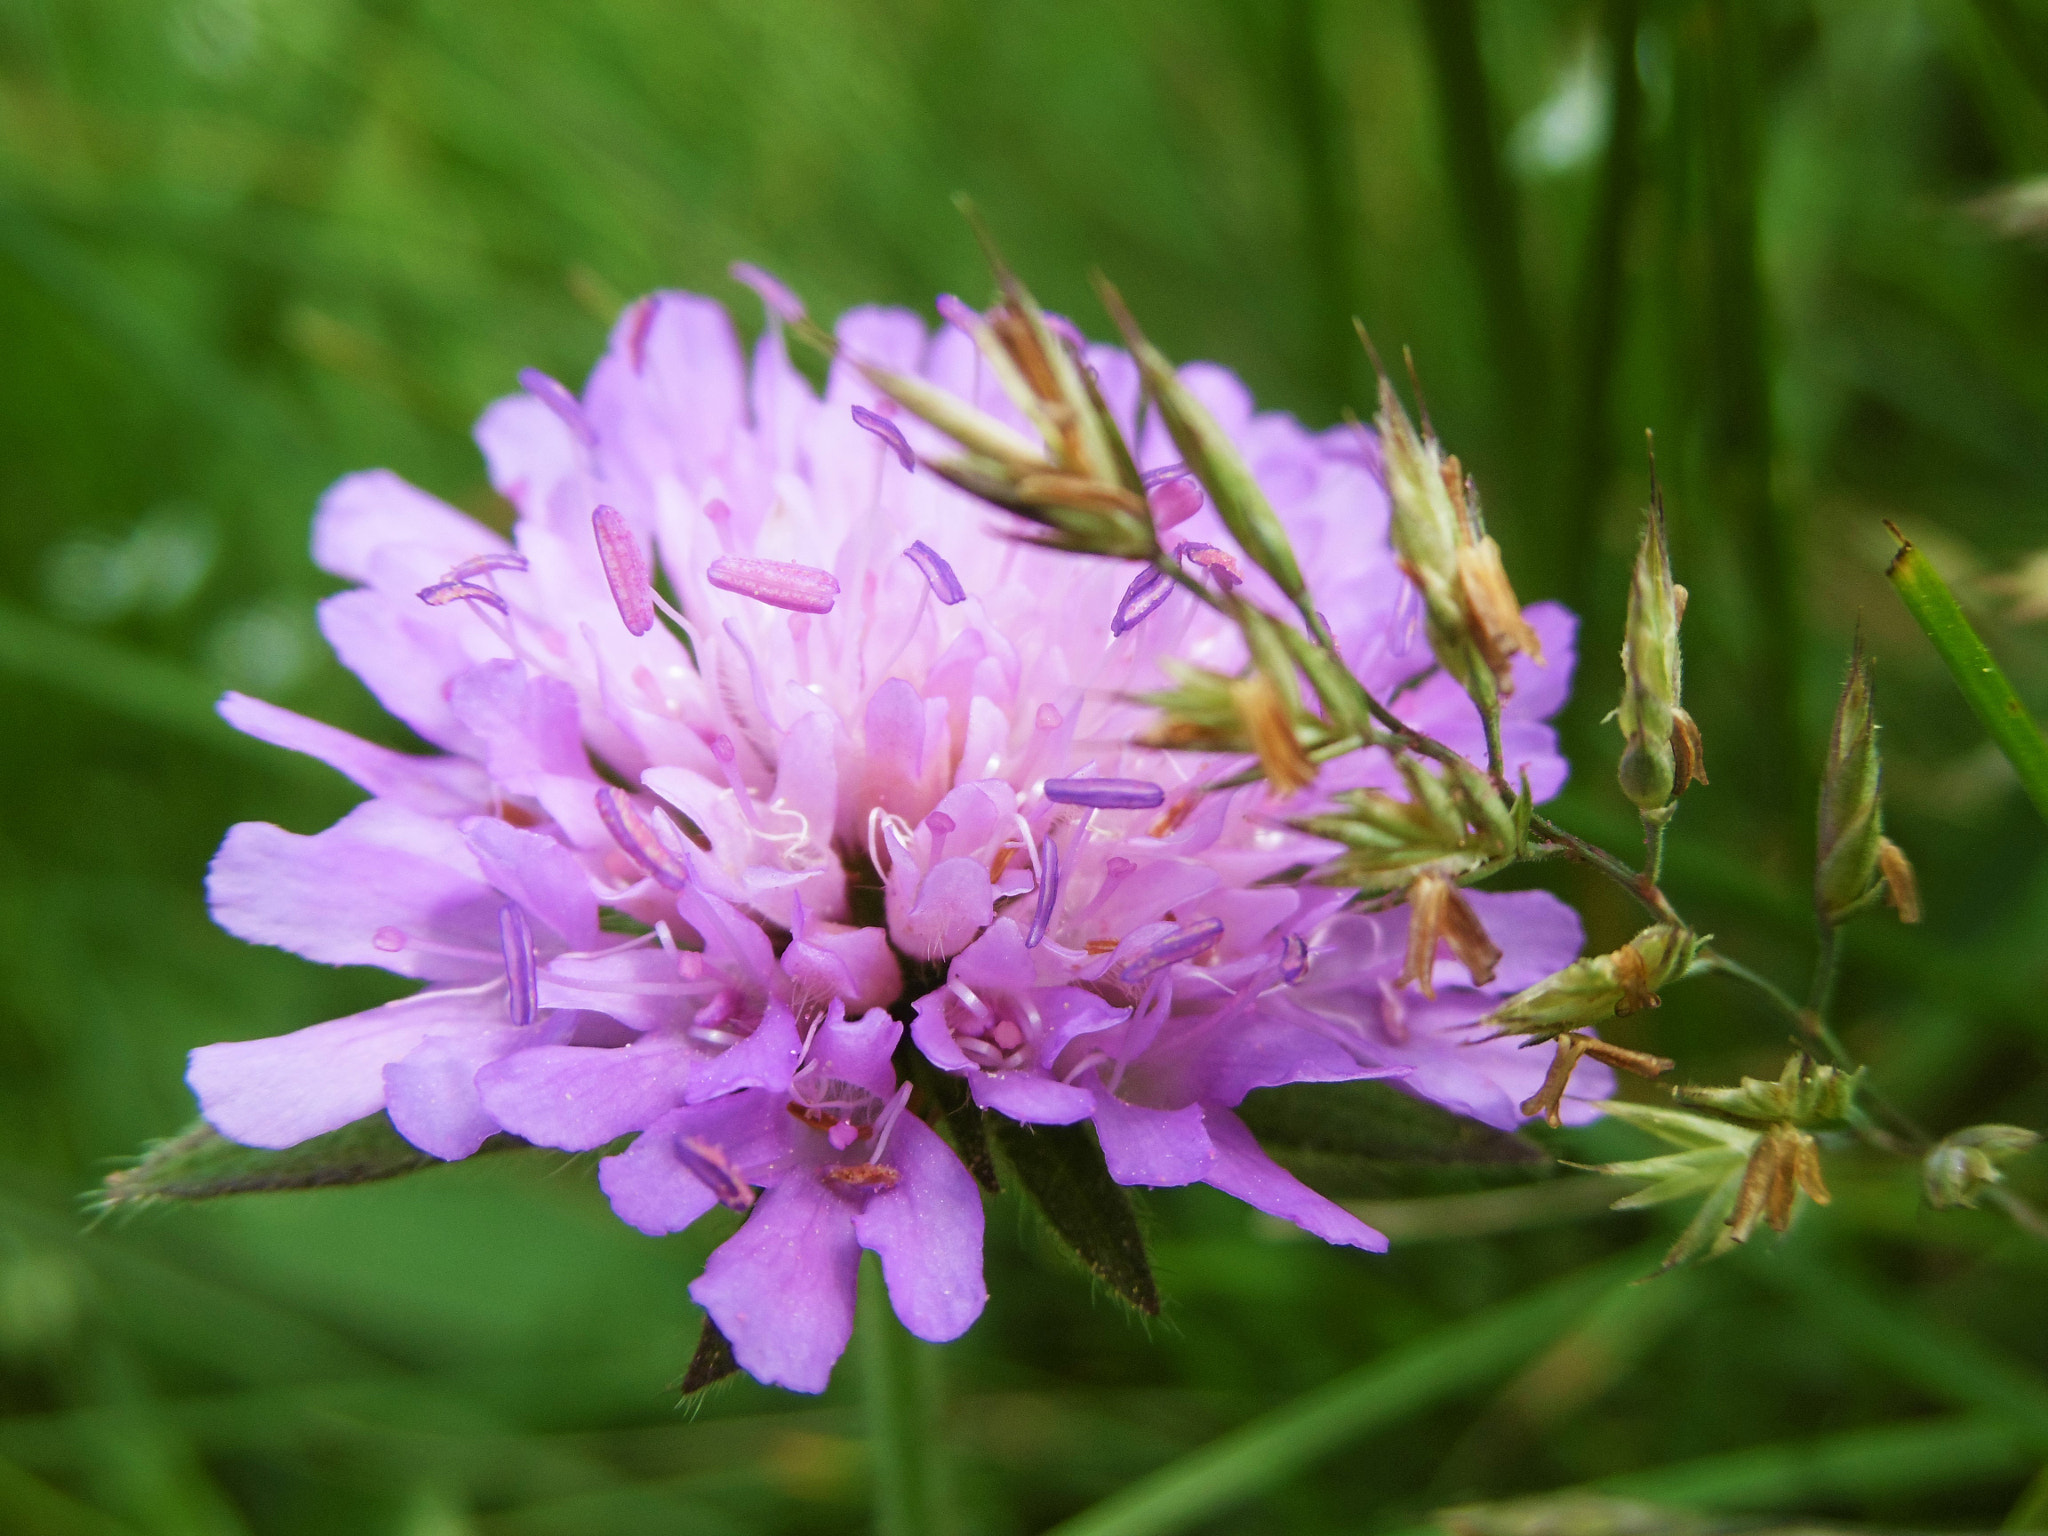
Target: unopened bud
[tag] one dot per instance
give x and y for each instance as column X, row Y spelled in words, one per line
column 1211, row 456
column 1851, row 825
column 1449, row 826
column 1805, row 1093
column 1600, row 986
column 1439, row 914
column 1960, row 1169
column 1663, row 753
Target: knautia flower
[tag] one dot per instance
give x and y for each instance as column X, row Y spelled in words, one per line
column 688, row 878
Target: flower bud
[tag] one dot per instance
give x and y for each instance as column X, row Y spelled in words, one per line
column 1663, row 753
column 1600, row 986
column 1805, row 1093
column 1958, row 1170
column 1448, row 826
column 1851, row 814
column 1472, row 617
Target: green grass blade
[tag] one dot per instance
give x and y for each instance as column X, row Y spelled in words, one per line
column 1273, row 1448
column 1934, row 608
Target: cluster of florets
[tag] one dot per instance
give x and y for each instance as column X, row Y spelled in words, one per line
column 693, row 880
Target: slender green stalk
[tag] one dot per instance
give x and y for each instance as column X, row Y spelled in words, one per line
column 1654, row 828
column 1934, row 608
column 1271, row 1449
column 2030, row 1511
column 897, row 1393
column 1820, row 993
column 1808, row 1023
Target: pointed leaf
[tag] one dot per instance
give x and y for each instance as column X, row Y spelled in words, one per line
column 200, row 1163
column 1061, row 1168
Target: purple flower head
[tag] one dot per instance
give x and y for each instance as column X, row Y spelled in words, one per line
column 812, row 723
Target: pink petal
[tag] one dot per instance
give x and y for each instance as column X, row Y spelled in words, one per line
column 782, row 1288
column 927, row 1231
column 1156, row 1147
column 433, row 786
column 1242, row 1169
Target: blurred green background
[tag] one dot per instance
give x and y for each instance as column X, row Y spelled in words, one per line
column 248, row 245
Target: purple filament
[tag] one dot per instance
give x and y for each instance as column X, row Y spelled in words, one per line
column 710, row 1164
column 1294, row 960
column 1106, row 794
column 891, row 435
column 1048, row 891
column 782, row 304
column 558, row 399
column 1148, row 589
column 636, row 836
column 1181, row 944
column 522, row 985
column 481, row 565
column 624, row 569
column 445, row 592
column 778, row 583
column 944, row 584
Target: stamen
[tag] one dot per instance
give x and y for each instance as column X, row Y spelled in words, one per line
column 392, row 940
column 708, row 1162
column 869, row 1178
column 636, row 835
column 522, row 992
column 728, row 760
column 1222, row 567
column 1148, row 589
column 941, row 826
column 624, row 569
column 1106, row 794
column 944, row 584
column 885, row 1122
column 441, row 593
column 558, row 399
column 1294, row 960
column 778, row 583
column 890, row 434
column 782, row 304
column 1048, row 892
column 1174, row 493
column 479, row 565
column 1181, row 944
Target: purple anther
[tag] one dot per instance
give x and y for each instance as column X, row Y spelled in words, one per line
column 956, row 312
column 1294, row 960
column 557, row 398
column 778, row 583
column 1048, row 891
column 1148, row 589
column 944, row 584
column 522, row 982
column 441, row 593
column 891, row 435
column 1221, row 566
column 636, row 836
column 941, row 826
column 389, row 940
column 1106, row 794
column 782, row 304
column 707, row 1160
column 625, row 568
column 1181, row 944
column 1174, row 493
column 483, row 565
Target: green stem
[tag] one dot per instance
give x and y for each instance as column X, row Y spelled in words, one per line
column 1820, row 994
column 897, row 1394
column 1809, row 1024
column 1654, row 828
column 1934, row 608
column 1272, row 1449
column 1644, row 891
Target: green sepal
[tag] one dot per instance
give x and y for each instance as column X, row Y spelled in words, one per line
column 1062, row 1170
column 199, row 1164
column 711, row 1363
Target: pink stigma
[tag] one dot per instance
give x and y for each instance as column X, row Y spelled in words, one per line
column 778, row 583
column 558, row 399
column 941, row 826
column 624, row 569
column 1106, row 794
column 782, row 304
column 891, row 435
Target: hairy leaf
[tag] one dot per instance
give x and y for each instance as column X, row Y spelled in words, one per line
column 1061, row 1168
